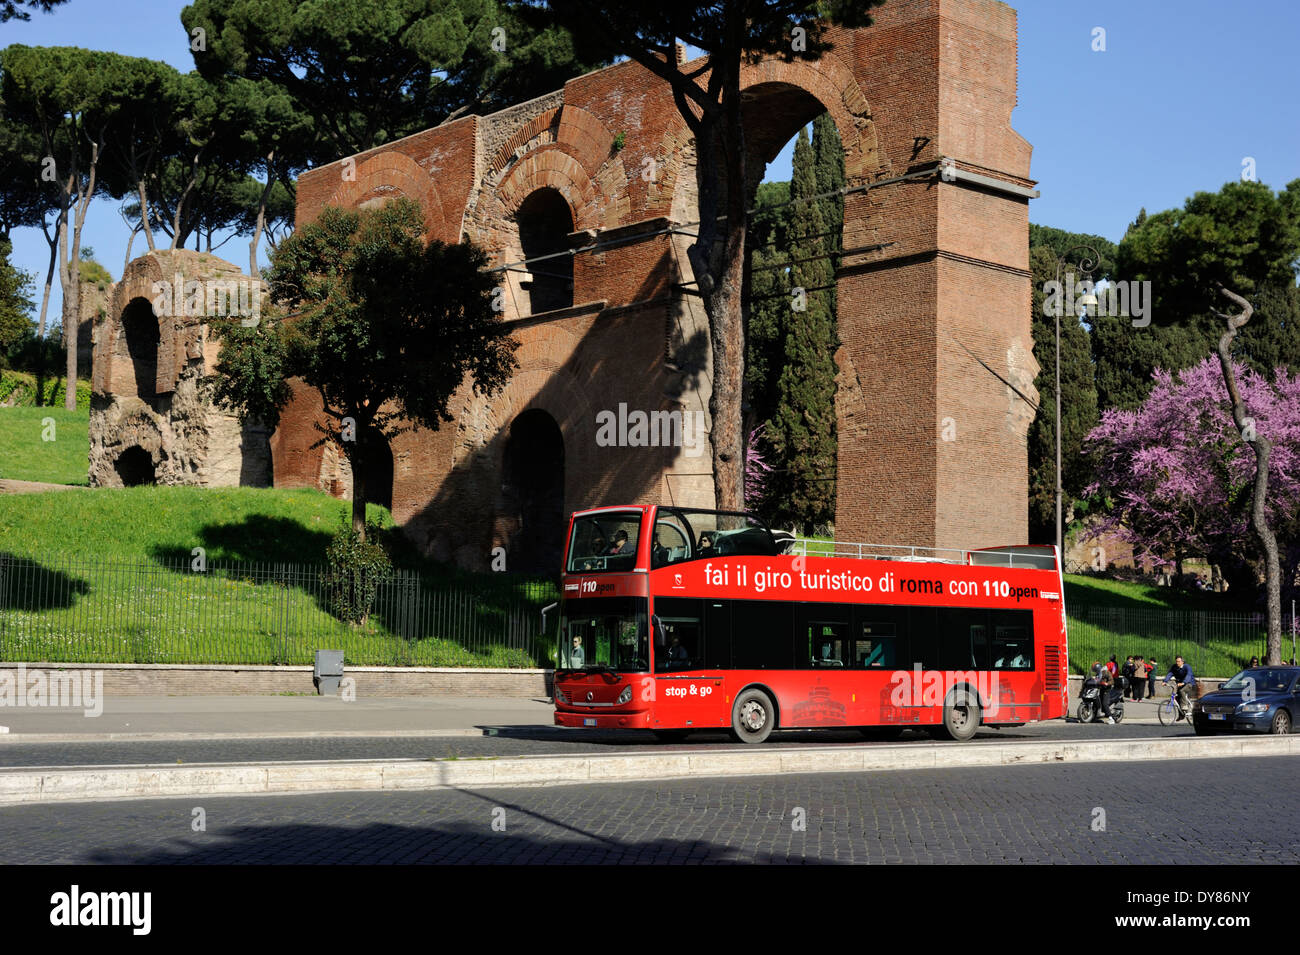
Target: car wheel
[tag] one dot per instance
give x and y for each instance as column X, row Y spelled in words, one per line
column 1281, row 723
column 753, row 717
column 1202, row 729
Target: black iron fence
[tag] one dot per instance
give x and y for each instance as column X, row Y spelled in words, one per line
column 1214, row 643
column 167, row 611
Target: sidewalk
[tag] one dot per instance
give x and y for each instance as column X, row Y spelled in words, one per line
column 142, row 717
column 260, row 717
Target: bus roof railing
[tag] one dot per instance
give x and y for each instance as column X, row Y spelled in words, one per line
column 1029, row 556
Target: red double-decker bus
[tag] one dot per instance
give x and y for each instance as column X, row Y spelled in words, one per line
column 677, row 619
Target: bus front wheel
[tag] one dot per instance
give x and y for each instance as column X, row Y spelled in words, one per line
column 961, row 716
column 753, row 717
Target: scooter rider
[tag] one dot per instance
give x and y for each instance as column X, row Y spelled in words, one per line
column 1102, row 680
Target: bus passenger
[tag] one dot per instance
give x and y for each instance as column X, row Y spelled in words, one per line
column 621, row 544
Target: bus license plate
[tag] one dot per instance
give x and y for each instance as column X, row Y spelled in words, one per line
column 588, row 722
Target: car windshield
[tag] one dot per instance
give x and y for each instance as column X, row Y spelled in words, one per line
column 1263, row 679
column 604, row 633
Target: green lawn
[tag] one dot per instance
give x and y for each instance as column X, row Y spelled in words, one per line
column 44, row 444
column 231, row 524
column 1086, row 590
column 1215, row 634
column 113, row 581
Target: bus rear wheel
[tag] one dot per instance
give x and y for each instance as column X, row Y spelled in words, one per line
column 961, row 716
column 753, row 717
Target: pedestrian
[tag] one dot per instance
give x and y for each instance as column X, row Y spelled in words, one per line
column 1127, row 672
column 1151, row 678
column 1113, row 667
column 1254, row 662
column 1139, row 679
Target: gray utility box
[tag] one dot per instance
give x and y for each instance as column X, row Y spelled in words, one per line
column 328, row 671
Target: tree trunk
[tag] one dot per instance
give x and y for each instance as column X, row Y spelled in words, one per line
column 1262, row 447
column 144, row 214
column 722, row 287
column 358, row 497
column 45, row 305
column 261, row 215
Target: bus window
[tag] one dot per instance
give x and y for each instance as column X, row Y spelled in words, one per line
column 604, row 542
column 762, row 634
column 670, row 544
column 963, row 639
column 879, row 638
column 717, row 634
column 826, row 643
column 1013, row 640
column 876, row 645
column 923, row 638
column 684, row 630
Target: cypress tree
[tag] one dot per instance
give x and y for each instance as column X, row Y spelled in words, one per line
column 769, row 297
column 802, row 430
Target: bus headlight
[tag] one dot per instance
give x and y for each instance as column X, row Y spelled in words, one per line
column 560, row 697
column 626, row 695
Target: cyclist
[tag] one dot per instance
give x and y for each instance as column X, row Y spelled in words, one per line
column 1181, row 674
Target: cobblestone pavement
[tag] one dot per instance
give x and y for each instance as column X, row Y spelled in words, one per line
column 524, row 742
column 1212, row 811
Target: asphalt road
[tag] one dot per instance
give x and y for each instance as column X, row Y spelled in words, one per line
column 1239, row 811
column 523, row 741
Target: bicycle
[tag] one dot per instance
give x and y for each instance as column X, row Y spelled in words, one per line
column 1171, row 710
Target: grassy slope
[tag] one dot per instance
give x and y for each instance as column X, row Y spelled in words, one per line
column 165, row 613
column 231, row 524
column 25, row 455
column 1212, row 631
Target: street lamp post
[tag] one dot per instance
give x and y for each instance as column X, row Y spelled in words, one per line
column 1087, row 264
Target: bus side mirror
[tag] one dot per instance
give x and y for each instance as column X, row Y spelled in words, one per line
column 661, row 640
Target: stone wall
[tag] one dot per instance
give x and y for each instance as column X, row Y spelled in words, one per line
column 128, row 679
column 152, row 417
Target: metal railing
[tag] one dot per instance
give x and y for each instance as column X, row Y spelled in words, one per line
column 1215, row 643
column 163, row 611
column 1027, row 556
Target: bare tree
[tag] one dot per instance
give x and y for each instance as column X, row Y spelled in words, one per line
column 1262, row 447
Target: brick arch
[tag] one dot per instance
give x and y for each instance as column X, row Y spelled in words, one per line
column 542, row 127
column 390, row 174
column 831, row 83
column 586, row 137
column 551, row 167
column 137, row 282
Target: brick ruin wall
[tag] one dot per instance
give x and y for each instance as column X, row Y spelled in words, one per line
column 152, row 415
column 934, row 288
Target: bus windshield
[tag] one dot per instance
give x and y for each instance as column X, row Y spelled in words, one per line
column 609, row 633
column 604, row 542
column 690, row 534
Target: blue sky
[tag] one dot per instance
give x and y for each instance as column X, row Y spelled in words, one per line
column 1181, row 96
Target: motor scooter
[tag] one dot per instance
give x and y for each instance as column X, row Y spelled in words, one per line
column 1090, row 700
